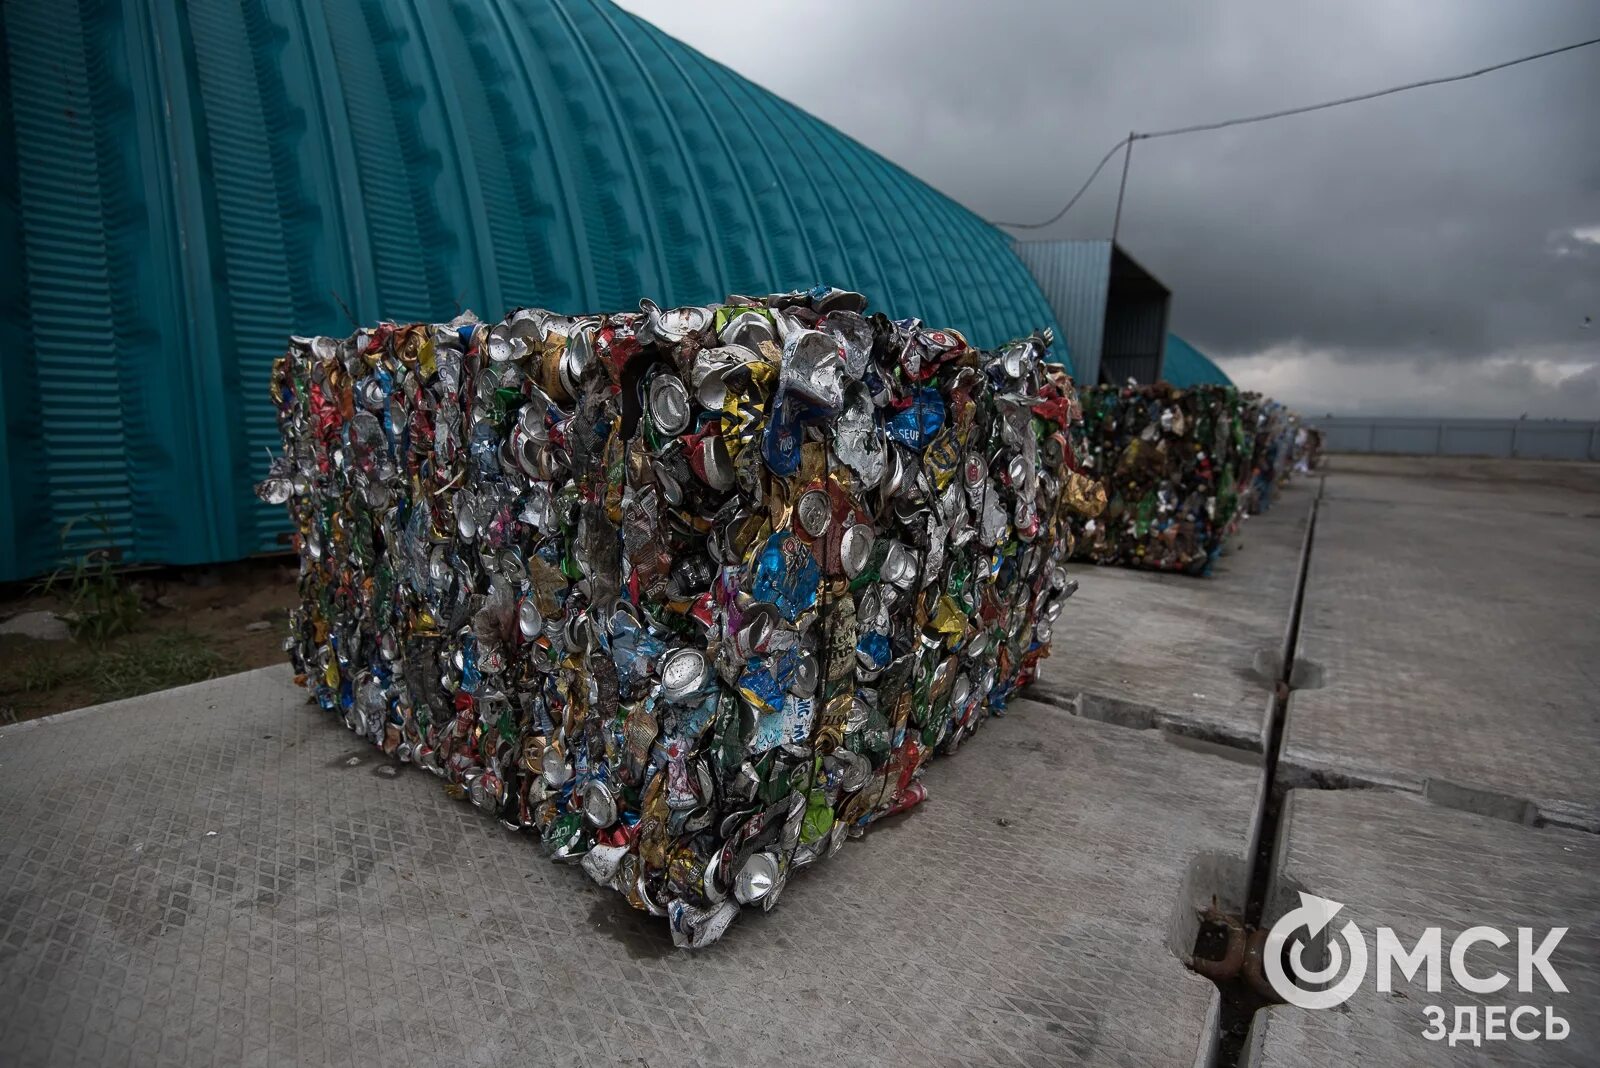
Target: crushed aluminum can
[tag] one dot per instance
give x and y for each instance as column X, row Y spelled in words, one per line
column 816, row 512
column 858, row 439
column 599, row 806
column 749, row 329
column 814, row 369
column 669, row 404
column 900, row 566
column 711, row 370
column 756, row 878
column 674, row 324
column 855, row 549
column 684, row 672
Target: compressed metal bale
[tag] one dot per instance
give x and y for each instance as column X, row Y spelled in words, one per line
column 1282, row 447
column 1175, row 463
column 1182, row 468
column 1270, row 460
column 692, row 594
column 1307, row 450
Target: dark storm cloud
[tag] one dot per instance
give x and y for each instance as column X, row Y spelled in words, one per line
column 1441, row 226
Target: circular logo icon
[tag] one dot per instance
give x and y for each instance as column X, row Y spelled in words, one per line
column 1315, row 914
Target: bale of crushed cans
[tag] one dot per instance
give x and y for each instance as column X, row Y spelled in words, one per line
column 1284, row 446
column 1182, row 468
column 692, row 594
column 1175, row 464
column 1307, row 451
column 1272, row 459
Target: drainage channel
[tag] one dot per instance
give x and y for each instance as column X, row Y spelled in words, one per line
column 1227, row 949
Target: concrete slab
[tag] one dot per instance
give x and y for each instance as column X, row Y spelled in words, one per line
column 1397, row 861
column 216, row 875
column 1451, row 648
column 1462, row 482
column 1197, row 656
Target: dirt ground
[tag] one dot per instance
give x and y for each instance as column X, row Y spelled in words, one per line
column 193, row 624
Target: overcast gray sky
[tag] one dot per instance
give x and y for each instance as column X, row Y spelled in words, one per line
column 1432, row 252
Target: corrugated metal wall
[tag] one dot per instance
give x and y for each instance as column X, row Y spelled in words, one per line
column 1113, row 311
column 183, row 183
column 1076, row 278
column 1136, row 333
column 1136, row 323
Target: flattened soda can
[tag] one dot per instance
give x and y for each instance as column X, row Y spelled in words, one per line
column 599, row 806
column 684, row 671
column 815, row 511
column 756, row 879
column 855, row 548
column 669, row 404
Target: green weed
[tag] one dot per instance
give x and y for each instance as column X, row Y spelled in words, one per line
column 99, row 604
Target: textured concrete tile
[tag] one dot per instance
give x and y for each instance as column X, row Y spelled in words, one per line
column 202, row 876
column 1199, row 656
column 1460, row 482
column 1452, row 649
column 1398, row 861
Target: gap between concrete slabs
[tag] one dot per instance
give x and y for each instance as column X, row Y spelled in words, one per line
column 1196, row 656
column 1398, row 861
column 1449, row 641
column 1139, row 652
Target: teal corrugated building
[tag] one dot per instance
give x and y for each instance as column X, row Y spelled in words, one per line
column 1185, row 366
column 183, row 183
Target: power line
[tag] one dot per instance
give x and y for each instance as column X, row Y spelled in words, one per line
column 1366, row 96
column 1244, row 120
column 1082, row 189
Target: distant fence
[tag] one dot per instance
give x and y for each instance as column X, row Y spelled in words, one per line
column 1533, row 439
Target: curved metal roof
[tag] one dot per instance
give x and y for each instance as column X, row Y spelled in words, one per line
column 1187, row 366
column 190, row 183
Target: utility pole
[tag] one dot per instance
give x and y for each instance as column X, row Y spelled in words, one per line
column 1127, row 154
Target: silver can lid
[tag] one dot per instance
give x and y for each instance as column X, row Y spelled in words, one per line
column 974, row 470
column 554, row 766
column 855, row 548
column 599, row 806
column 816, row 512
column 860, row 713
column 466, row 520
column 960, row 693
column 756, row 878
column 683, row 671
column 669, row 404
column 900, row 566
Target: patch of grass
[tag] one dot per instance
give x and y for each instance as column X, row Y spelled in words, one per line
column 42, row 673
column 175, row 658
